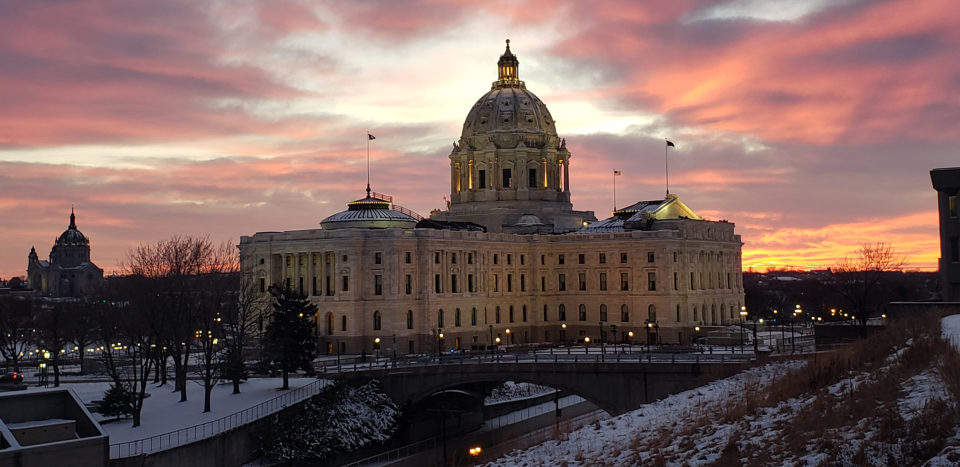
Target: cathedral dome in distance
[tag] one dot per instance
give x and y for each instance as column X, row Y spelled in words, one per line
column 508, row 114
column 72, row 236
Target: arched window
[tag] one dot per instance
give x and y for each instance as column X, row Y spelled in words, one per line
column 473, row 317
column 343, row 323
column 713, row 314
column 329, row 324
column 678, row 314
column 440, row 318
column 498, row 314
column 545, row 314
column 696, row 317
column 652, row 313
column 624, row 313
column 456, row 318
column 582, row 312
column 524, row 313
column 376, row 320
column 562, row 313
column 511, row 313
column 603, row 312
column 409, row 319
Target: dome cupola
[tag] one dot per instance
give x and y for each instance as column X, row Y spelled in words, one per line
column 72, row 236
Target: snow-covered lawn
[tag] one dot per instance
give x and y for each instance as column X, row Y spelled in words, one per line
column 163, row 412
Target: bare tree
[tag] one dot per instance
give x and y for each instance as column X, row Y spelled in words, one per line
column 860, row 281
column 51, row 321
column 15, row 327
column 250, row 307
column 215, row 296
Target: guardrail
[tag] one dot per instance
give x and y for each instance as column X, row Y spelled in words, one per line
column 538, row 357
column 205, row 430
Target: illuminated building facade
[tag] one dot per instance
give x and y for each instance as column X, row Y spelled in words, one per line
column 509, row 253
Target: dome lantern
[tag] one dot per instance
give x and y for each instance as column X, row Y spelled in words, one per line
column 508, row 68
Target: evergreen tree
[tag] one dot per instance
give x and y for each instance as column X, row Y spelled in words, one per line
column 290, row 342
column 117, row 402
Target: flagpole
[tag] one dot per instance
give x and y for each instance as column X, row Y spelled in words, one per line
column 666, row 165
column 368, row 163
column 614, row 191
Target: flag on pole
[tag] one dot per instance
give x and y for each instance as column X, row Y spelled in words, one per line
column 369, row 137
column 616, row 173
column 670, row 144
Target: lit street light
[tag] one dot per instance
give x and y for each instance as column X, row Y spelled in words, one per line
column 743, row 315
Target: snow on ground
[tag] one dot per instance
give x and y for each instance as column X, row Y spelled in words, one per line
column 163, row 412
column 607, row 440
column 511, row 391
column 950, row 328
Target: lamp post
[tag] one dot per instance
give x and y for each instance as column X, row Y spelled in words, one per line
column 376, row 347
column 600, row 330
column 647, row 325
column 743, row 316
column 563, row 333
column 491, row 339
column 630, row 339
column 755, row 335
column 613, row 333
column 509, row 339
column 586, row 340
column 696, row 338
column 439, row 344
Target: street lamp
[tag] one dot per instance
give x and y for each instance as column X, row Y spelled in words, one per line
column 743, row 315
column 613, row 332
column 509, row 340
column 491, row 338
column 439, row 344
column 563, row 333
column 629, row 339
column 586, row 340
column 376, row 346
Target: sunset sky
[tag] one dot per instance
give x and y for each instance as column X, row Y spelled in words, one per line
column 811, row 125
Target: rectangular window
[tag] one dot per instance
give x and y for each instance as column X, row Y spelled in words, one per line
column 453, row 258
column 523, row 282
column 543, row 283
column 674, row 256
column 436, row 258
column 509, row 282
column 469, row 258
column 582, row 281
column 496, row 283
column 406, row 257
column 377, row 284
column 650, row 257
column 676, row 281
column 651, row 281
column 581, row 259
column 313, row 286
column 603, row 281
column 436, row 283
column 346, row 284
column 263, row 285
column 692, row 286
column 521, row 260
column 482, row 178
column 603, row 258
column 408, row 284
column 728, row 280
column 507, row 178
column 562, row 282
column 378, row 258
column 624, row 281
column 300, row 285
column 560, row 259
column 543, row 259
column 496, row 258
column 623, row 258
column 509, row 259
column 453, row 283
column 532, row 178
column 470, row 283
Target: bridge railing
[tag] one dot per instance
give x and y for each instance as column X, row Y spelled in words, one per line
column 537, row 357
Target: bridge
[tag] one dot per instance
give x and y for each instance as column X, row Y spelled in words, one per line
column 616, row 383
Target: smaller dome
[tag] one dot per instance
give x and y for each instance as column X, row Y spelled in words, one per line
column 72, row 236
column 368, row 213
column 528, row 219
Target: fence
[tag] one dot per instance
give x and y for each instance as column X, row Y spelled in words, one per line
column 205, row 430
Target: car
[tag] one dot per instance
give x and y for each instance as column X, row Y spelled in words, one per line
column 12, row 381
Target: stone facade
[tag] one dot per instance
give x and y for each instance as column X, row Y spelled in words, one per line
column 508, row 260
column 69, row 271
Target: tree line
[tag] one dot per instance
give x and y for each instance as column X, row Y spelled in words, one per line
column 180, row 303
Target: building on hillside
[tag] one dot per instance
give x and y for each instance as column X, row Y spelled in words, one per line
column 509, row 261
column 947, row 183
column 69, row 271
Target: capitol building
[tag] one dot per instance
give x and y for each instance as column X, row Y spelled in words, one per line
column 509, row 262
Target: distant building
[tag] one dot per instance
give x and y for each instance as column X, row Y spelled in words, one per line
column 68, row 272
column 947, row 183
column 509, row 261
